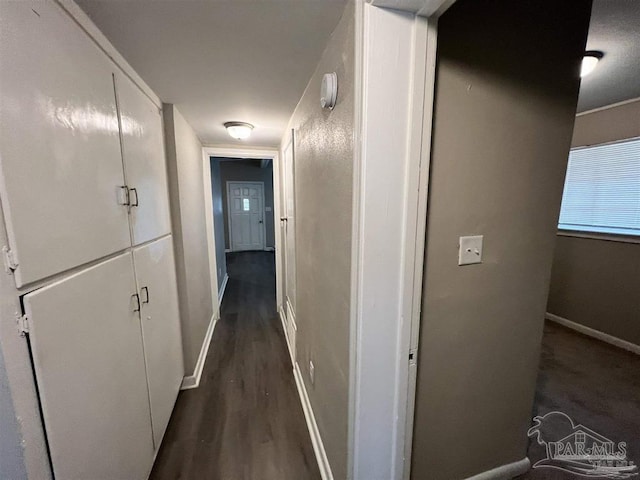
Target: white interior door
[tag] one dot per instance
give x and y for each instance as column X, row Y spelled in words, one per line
column 144, row 161
column 246, row 215
column 88, row 359
column 61, row 167
column 156, row 278
column 290, row 241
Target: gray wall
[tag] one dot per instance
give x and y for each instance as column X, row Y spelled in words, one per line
column 324, row 193
column 11, row 456
column 248, row 171
column 219, row 226
column 186, row 191
column 506, row 95
column 12, row 461
column 596, row 282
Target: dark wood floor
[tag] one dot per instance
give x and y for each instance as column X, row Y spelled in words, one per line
column 245, row 420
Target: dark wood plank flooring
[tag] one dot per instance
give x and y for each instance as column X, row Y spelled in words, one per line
column 245, row 420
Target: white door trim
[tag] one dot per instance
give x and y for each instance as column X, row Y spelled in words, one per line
column 242, row 152
column 382, row 446
column 264, row 228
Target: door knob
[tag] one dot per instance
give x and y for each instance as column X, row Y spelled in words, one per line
column 283, row 219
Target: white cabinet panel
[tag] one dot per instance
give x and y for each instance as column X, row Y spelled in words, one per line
column 89, row 364
column 60, row 159
column 156, row 276
column 144, row 161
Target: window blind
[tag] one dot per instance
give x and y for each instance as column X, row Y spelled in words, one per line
column 602, row 189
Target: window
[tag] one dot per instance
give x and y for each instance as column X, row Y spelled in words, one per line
column 602, row 189
column 245, row 204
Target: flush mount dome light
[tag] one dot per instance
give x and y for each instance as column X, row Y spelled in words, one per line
column 239, row 130
column 589, row 62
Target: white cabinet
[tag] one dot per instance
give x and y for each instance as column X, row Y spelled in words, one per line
column 156, row 278
column 82, row 182
column 89, row 364
column 144, row 161
column 61, row 166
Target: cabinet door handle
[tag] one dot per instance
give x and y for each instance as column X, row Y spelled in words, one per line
column 123, row 196
column 145, row 298
column 134, row 203
column 136, row 299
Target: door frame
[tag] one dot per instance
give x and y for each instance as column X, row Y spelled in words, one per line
column 288, row 313
column 264, row 228
column 384, row 444
column 256, row 153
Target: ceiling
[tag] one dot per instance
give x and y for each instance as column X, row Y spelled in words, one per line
column 222, row 60
column 250, row 60
column 615, row 31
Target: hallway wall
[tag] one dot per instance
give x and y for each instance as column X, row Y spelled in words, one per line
column 250, row 171
column 11, row 455
column 324, row 155
column 22, row 445
column 218, row 222
column 594, row 281
column 186, row 191
column 502, row 132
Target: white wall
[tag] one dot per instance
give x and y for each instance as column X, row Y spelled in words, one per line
column 197, row 295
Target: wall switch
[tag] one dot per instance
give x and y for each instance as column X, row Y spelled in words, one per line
column 312, row 372
column 470, row 250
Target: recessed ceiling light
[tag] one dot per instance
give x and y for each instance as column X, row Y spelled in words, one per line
column 589, row 62
column 239, row 130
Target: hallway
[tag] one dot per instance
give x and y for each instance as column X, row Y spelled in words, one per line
column 245, row 420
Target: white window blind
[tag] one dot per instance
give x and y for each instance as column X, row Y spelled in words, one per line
column 602, row 189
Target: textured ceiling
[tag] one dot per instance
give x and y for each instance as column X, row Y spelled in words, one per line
column 614, row 30
column 222, row 60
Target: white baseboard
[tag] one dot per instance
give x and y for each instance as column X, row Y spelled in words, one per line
column 224, row 287
column 505, row 472
column 597, row 334
column 284, row 329
column 193, row 381
column 316, row 439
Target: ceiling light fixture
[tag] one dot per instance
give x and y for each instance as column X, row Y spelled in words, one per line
column 239, row 130
column 590, row 61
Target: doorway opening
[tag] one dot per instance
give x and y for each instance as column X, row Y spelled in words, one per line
column 242, row 201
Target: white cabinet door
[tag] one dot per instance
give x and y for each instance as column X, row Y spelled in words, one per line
column 144, row 161
column 89, row 364
column 156, row 277
column 60, row 160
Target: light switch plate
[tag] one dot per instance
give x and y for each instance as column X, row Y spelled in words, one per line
column 470, row 250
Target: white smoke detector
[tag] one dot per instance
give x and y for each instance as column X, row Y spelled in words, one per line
column 329, row 90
